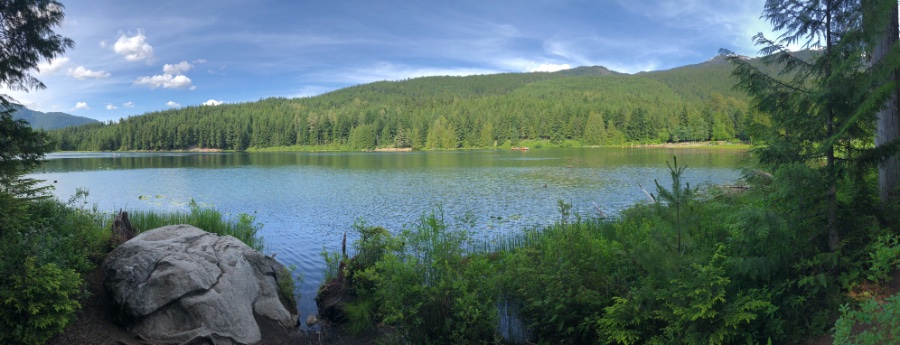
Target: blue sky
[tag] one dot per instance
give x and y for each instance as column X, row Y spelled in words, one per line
column 133, row 56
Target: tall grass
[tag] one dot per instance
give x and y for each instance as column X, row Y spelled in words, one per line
column 242, row 227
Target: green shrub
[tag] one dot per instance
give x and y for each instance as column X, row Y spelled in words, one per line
column 332, row 263
column 884, row 257
column 38, row 302
column 563, row 281
column 878, row 323
column 287, row 286
column 433, row 294
column 360, row 314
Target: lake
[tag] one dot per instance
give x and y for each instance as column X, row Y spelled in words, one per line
column 307, row 201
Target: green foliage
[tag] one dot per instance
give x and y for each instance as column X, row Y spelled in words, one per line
column 877, row 321
column 562, row 281
column 360, row 314
column 443, row 113
column 431, row 292
column 362, row 137
column 677, row 199
column 884, row 257
column 595, row 129
column 287, row 286
column 21, row 150
column 27, row 38
column 698, row 308
column 38, row 301
column 332, row 263
column 371, row 246
column 243, row 227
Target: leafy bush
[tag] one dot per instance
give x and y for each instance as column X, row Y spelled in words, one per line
column 287, row 286
column 878, row 323
column 884, row 257
column 38, row 302
column 431, row 292
column 561, row 281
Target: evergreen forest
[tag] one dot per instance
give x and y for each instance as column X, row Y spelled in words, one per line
column 581, row 106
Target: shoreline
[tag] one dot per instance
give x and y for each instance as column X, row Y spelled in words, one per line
column 295, row 148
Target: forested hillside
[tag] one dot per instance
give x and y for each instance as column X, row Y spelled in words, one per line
column 51, row 120
column 585, row 105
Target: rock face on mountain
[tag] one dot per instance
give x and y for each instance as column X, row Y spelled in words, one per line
column 180, row 284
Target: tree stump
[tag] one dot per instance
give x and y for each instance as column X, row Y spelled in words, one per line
column 122, row 230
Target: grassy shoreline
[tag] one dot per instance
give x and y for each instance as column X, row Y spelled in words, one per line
column 531, row 144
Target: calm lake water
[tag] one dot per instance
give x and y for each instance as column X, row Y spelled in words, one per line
column 307, row 201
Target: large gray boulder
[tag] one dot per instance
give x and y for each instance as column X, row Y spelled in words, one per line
column 180, row 284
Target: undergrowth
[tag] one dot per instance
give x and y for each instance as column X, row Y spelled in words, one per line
column 694, row 267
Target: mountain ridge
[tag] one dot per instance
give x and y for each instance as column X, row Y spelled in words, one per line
column 49, row 120
column 590, row 105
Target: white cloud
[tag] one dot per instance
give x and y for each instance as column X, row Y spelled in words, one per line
column 549, row 67
column 111, row 107
column 128, row 104
column 52, row 66
column 212, row 102
column 81, row 106
column 172, row 104
column 103, row 44
column 134, row 48
column 200, row 61
column 82, row 73
column 178, row 68
column 166, row 81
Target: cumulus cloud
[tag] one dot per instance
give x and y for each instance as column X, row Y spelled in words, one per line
column 212, row 102
column 134, row 48
column 82, row 73
column 166, row 81
column 48, row 67
column 81, row 106
column 128, row 104
column 171, row 104
column 172, row 77
column 178, row 68
column 111, row 107
column 549, row 67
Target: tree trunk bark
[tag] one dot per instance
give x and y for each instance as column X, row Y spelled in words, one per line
column 834, row 237
column 888, row 123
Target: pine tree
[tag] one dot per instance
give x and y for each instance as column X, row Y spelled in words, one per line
column 26, row 37
column 813, row 101
column 595, row 129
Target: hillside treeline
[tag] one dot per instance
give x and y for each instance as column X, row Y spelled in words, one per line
column 600, row 108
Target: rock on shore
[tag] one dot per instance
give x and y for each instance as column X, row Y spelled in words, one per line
column 180, row 284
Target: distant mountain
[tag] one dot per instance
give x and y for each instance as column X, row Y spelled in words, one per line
column 51, row 120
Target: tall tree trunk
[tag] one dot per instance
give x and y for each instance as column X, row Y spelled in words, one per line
column 831, row 176
column 888, row 118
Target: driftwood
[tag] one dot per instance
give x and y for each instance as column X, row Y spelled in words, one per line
column 652, row 199
column 602, row 215
column 122, row 231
